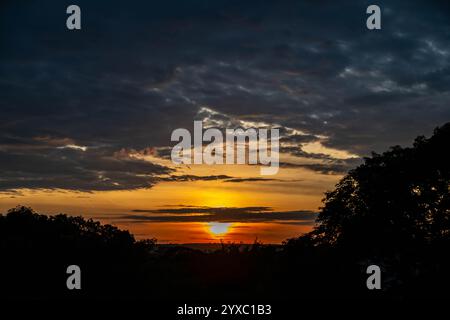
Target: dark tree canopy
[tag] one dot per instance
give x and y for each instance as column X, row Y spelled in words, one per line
column 36, row 249
column 394, row 200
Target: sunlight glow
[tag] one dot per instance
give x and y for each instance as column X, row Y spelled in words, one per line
column 218, row 228
column 318, row 147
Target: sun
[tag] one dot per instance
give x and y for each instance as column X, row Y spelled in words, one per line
column 218, row 228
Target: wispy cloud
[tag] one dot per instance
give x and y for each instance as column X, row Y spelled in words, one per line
column 219, row 214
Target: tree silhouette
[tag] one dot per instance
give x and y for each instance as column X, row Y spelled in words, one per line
column 36, row 249
column 393, row 201
column 393, row 211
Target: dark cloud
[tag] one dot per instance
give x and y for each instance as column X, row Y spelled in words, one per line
column 78, row 170
column 330, row 167
column 256, row 179
column 222, row 214
column 225, row 178
column 135, row 72
column 194, row 178
column 298, row 152
column 296, row 138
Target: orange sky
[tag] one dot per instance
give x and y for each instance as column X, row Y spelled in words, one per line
column 293, row 189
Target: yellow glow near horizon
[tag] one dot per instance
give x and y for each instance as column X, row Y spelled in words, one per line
column 217, row 198
column 293, row 188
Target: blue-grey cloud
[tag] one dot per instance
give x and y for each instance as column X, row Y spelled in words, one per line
column 219, row 214
column 135, row 72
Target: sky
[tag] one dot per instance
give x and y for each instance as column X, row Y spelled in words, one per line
column 86, row 116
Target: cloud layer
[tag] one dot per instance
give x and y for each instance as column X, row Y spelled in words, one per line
column 222, row 214
column 70, row 101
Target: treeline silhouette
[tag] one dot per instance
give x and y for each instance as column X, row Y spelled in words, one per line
column 392, row 211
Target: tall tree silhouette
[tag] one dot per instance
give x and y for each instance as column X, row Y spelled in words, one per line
column 394, row 200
